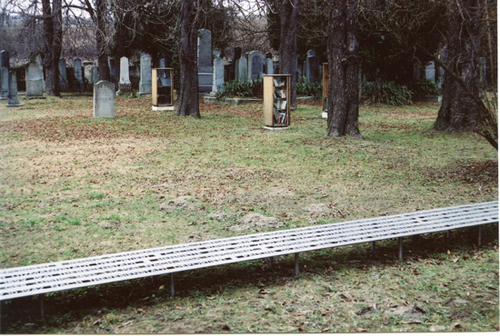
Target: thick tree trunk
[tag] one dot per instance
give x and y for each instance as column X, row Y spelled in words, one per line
column 52, row 35
column 188, row 60
column 343, row 68
column 458, row 111
column 102, row 59
column 289, row 12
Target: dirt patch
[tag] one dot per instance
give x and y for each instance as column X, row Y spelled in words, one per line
column 218, row 215
column 180, row 203
column 256, row 222
column 318, row 209
column 410, row 313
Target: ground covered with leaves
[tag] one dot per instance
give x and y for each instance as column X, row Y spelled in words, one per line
column 73, row 186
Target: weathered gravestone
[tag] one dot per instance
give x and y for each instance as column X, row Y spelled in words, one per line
column 13, row 97
column 233, row 67
column 311, row 67
column 77, row 66
column 430, row 71
column 95, row 74
column 205, row 71
column 255, row 65
column 242, row 69
column 104, row 99
column 218, row 83
column 124, row 85
column 145, row 83
column 34, row 82
column 4, row 90
column 63, row 76
column 269, row 64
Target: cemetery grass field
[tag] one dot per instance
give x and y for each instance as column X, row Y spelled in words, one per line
column 73, row 186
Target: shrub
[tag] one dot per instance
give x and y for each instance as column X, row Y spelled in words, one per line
column 306, row 89
column 241, row 89
column 424, row 88
column 388, row 93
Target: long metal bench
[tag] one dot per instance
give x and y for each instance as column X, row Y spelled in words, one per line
column 63, row 275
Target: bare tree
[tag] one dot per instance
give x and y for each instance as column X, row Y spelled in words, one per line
column 343, row 68
column 52, row 38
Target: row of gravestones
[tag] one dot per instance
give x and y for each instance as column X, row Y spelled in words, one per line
column 8, row 81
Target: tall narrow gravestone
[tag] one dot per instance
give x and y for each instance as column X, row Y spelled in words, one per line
column 34, row 82
column 13, row 97
column 63, row 76
column 255, row 65
column 242, row 69
column 205, row 71
column 124, row 85
column 77, row 66
column 218, row 83
column 4, row 92
column 430, row 71
column 145, row 83
column 311, row 67
column 104, row 99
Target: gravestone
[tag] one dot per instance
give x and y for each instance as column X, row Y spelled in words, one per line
column 104, row 99
column 112, row 69
column 311, row 67
column 13, row 97
column 77, row 66
column 163, row 60
column 87, row 71
column 4, row 89
column 269, row 64
column 430, row 71
column 255, row 65
column 34, row 82
column 124, row 85
column 145, row 83
column 236, row 57
column 205, row 70
column 63, row 76
column 95, row 74
column 4, row 62
column 218, row 83
column 242, row 69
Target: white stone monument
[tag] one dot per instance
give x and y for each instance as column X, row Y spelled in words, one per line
column 104, row 99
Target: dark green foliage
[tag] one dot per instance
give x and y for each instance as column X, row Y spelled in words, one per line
column 388, row 93
column 241, row 89
column 307, row 89
column 424, row 88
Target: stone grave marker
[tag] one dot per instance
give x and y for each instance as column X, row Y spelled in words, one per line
column 218, row 83
column 124, row 85
column 255, row 65
column 430, row 71
column 242, row 69
column 63, row 76
column 112, row 69
column 34, row 82
column 205, row 70
column 233, row 67
column 4, row 90
column 269, row 64
column 95, row 74
column 77, row 66
column 104, row 99
column 311, row 67
column 145, row 83
column 13, row 97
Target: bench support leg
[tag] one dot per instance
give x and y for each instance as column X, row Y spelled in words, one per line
column 296, row 264
column 448, row 234
column 400, row 243
column 271, row 261
column 172, row 286
column 373, row 246
column 479, row 235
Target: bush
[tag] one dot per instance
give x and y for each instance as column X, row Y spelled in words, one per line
column 305, row 89
column 241, row 89
column 424, row 88
column 388, row 93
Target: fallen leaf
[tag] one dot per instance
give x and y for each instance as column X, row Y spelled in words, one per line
column 455, row 326
column 361, row 330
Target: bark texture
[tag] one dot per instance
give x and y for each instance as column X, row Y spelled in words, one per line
column 188, row 60
column 52, row 36
column 102, row 59
column 458, row 111
column 289, row 11
column 343, row 68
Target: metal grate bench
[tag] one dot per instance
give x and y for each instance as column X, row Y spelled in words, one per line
column 56, row 276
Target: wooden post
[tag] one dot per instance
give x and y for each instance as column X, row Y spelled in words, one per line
column 296, row 264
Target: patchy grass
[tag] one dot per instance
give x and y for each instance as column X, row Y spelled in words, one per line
column 73, row 186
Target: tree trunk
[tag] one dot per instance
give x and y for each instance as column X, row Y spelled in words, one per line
column 188, row 60
column 102, row 59
column 289, row 12
column 343, row 68
column 52, row 36
column 458, row 112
